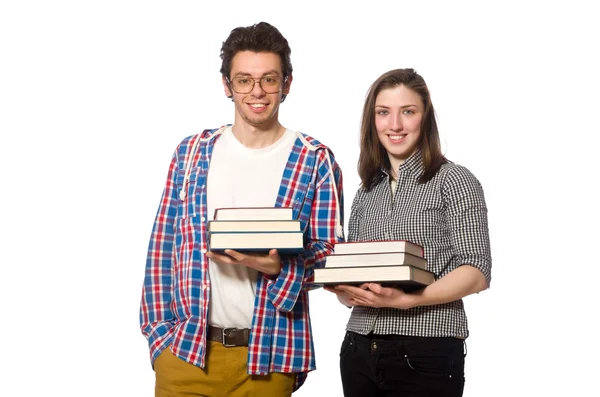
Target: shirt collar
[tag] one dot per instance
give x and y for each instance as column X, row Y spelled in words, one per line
column 412, row 165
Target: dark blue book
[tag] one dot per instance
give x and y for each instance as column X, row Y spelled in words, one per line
column 284, row 242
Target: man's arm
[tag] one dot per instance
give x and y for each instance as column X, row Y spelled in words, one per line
column 155, row 310
column 325, row 215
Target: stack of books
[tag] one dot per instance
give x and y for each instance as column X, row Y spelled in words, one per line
column 255, row 229
column 396, row 263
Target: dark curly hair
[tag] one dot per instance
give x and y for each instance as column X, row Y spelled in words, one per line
column 260, row 37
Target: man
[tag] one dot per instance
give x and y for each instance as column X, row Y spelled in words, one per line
column 238, row 324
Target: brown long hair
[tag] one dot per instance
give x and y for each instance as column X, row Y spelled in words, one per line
column 373, row 155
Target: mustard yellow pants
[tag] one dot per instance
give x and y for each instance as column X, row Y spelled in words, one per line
column 224, row 375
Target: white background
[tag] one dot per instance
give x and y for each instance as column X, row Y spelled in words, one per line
column 95, row 95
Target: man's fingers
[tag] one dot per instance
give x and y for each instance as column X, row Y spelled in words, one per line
column 235, row 255
column 219, row 258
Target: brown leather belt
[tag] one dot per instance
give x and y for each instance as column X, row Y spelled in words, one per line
column 229, row 337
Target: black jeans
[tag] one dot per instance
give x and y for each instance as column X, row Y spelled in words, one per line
column 393, row 365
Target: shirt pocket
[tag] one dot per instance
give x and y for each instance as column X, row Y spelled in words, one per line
column 189, row 216
column 188, row 204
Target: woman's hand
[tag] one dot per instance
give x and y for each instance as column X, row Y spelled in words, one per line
column 343, row 296
column 374, row 295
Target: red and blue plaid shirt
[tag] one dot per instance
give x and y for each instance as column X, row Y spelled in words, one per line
column 176, row 291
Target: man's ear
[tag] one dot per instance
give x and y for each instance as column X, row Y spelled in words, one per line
column 286, row 87
column 226, row 88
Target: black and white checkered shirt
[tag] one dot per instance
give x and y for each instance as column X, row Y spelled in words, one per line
column 448, row 217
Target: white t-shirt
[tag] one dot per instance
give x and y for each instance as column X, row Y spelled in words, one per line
column 241, row 177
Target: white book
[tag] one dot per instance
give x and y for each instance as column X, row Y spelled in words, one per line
column 375, row 259
column 253, row 213
column 405, row 277
column 254, row 226
column 284, row 242
column 360, row 247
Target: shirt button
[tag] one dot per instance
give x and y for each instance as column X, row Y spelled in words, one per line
column 203, row 287
column 203, row 219
column 203, row 250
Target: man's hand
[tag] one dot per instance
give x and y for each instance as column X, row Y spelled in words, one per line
column 269, row 264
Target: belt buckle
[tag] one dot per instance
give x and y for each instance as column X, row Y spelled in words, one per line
column 224, row 334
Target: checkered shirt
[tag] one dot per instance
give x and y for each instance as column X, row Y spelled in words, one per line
column 176, row 290
column 448, row 217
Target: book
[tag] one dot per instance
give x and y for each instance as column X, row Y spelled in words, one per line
column 254, row 226
column 284, row 242
column 253, row 213
column 375, row 259
column 406, row 277
column 360, row 247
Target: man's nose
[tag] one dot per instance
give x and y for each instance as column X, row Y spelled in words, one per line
column 257, row 90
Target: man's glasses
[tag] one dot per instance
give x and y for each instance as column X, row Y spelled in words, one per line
column 245, row 84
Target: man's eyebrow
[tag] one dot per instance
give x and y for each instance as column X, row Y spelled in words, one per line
column 270, row 72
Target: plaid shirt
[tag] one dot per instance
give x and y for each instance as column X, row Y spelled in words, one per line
column 447, row 216
column 176, row 291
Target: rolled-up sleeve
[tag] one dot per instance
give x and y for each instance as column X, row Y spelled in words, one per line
column 467, row 220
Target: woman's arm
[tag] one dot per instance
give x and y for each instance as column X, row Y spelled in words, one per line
column 461, row 282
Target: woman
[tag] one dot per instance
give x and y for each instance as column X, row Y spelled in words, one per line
column 411, row 344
